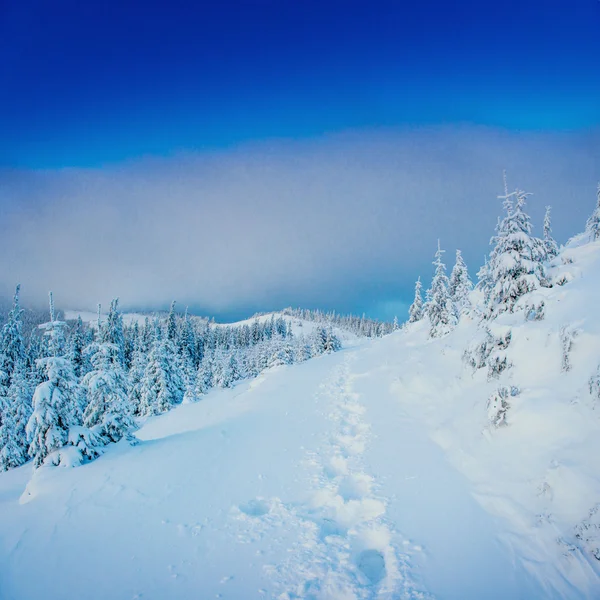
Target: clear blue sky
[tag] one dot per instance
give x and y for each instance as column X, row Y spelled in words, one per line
column 91, row 83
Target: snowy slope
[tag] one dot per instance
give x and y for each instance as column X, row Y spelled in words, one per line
column 374, row 472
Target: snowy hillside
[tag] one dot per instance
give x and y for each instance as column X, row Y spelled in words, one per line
column 380, row 471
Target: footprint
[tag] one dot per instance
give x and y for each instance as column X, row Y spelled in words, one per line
column 257, row 507
column 355, row 486
column 372, row 565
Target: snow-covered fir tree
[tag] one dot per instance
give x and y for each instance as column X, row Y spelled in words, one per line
column 515, row 266
column 439, row 307
column 550, row 245
column 108, row 411
column 15, row 392
column 162, row 385
column 204, row 376
column 135, row 376
column 415, row 311
column 56, row 407
column 11, row 451
column 12, row 346
column 460, row 284
column 592, row 227
column 111, row 332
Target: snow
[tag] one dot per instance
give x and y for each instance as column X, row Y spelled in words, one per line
column 373, row 472
column 92, row 317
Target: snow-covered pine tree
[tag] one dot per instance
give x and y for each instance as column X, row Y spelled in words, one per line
column 172, row 324
column 415, row 311
column 332, row 342
column 56, row 415
column 108, row 411
column 204, row 376
column 550, row 245
column 135, row 376
column 319, row 340
column 515, row 266
column 460, row 284
column 20, row 395
column 11, row 451
column 76, row 349
column 592, row 227
column 162, row 385
column 12, row 347
column 439, row 307
column 112, row 331
column 15, row 396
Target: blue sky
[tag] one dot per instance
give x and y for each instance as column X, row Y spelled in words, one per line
column 100, row 88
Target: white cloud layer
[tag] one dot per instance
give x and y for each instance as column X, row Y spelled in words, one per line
column 346, row 221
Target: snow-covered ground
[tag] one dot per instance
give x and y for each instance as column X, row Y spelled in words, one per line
column 374, row 472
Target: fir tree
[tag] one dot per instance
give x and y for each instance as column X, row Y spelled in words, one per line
column 204, row 376
column 12, row 349
column 20, row 395
column 56, row 404
column 15, row 398
column 550, row 245
column 162, row 385
column 515, row 266
column 460, row 284
column 415, row 311
column 135, row 376
column 76, row 349
column 332, row 342
column 112, row 331
column 11, row 451
column 172, row 324
column 592, row 227
column 108, row 411
column 439, row 307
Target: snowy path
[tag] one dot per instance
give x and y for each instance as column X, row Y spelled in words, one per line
column 346, row 550
column 376, row 478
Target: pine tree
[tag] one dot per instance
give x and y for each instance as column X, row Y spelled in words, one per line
column 12, row 347
column 439, row 307
column 76, row 349
column 108, row 411
column 172, row 324
column 162, row 385
column 15, row 397
column 56, row 406
column 332, row 342
column 550, row 245
column 415, row 311
column 515, row 266
column 11, row 452
column 204, row 376
column 20, row 395
column 112, row 331
column 592, row 227
column 135, row 376
column 460, row 284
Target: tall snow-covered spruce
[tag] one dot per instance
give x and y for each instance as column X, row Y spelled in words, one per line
column 550, row 245
column 108, row 411
column 439, row 307
column 15, row 391
column 54, row 429
column 415, row 311
column 515, row 266
column 592, row 227
column 460, row 284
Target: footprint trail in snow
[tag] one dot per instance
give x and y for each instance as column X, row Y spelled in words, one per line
column 344, row 549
